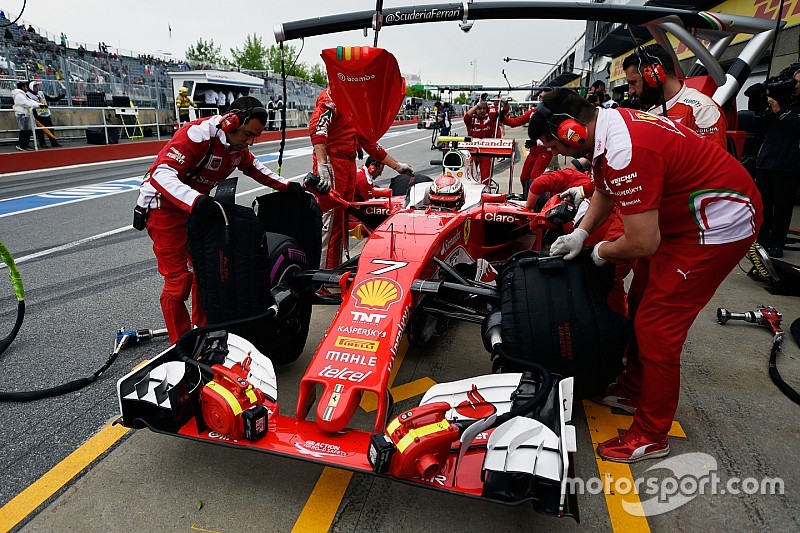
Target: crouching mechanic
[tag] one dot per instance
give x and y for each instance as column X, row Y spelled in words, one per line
column 686, row 203
column 202, row 152
column 336, row 143
column 365, row 179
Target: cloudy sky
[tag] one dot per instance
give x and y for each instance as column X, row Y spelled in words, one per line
column 438, row 52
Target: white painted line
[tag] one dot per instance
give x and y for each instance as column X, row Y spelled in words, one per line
column 79, row 242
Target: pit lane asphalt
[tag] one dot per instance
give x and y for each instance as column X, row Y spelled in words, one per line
column 78, row 297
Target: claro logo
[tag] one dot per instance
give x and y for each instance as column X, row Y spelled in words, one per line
column 367, row 77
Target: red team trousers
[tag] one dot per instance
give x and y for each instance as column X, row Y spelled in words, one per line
column 167, row 229
column 668, row 290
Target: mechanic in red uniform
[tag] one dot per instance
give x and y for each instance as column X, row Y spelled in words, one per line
column 685, row 105
column 365, row 178
column 481, row 121
column 538, row 157
column 336, row 143
column 200, row 154
column 685, row 202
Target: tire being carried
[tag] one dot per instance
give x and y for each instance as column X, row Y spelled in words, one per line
column 555, row 313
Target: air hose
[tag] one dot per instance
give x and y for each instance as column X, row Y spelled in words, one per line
column 19, row 290
column 27, row 396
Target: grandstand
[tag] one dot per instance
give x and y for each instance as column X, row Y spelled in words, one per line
column 84, row 75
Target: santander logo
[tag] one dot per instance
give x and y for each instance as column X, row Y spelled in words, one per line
column 475, row 406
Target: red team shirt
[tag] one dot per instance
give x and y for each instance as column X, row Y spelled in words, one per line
column 558, row 181
column 485, row 128
column 166, row 184
column 333, row 129
column 697, row 112
column 646, row 162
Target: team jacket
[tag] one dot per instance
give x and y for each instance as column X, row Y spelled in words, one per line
column 558, row 181
column 364, row 184
column 703, row 195
column 483, row 128
column 522, row 120
column 167, row 185
column 697, row 112
column 333, row 129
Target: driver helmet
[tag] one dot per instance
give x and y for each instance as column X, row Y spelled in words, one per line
column 447, row 192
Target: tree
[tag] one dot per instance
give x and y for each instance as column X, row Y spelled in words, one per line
column 462, row 99
column 253, row 55
column 319, row 76
column 293, row 68
column 205, row 52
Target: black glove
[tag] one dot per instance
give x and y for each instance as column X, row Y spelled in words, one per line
column 295, row 188
column 206, row 208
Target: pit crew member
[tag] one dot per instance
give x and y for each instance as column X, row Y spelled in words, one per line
column 685, row 105
column 538, row 158
column 335, row 143
column 365, row 178
column 200, row 154
column 481, row 122
column 688, row 206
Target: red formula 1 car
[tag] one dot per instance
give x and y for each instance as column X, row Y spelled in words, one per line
column 504, row 437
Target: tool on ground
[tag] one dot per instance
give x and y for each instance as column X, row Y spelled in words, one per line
column 136, row 336
column 770, row 317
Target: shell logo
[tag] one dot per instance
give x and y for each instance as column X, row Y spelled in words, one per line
column 377, row 293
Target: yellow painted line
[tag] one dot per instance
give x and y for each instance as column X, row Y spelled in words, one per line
column 604, row 425
column 196, row 528
column 43, row 488
column 320, row 509
column 400, row 393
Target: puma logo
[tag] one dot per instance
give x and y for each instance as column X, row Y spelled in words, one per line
column 683, row 274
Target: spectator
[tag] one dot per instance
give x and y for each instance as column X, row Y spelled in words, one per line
column 688, row 106
column 222, row 101
column 778, row 167
column 63, row 40
column 22, row 105
column 42, row 114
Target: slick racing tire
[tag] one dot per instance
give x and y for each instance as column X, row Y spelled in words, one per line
column 287, row 337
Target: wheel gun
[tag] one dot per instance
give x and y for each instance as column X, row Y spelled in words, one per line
column 763, row 316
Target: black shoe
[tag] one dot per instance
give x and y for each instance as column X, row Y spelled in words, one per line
column 55, row 145
column 20, row 148
column 775, row 252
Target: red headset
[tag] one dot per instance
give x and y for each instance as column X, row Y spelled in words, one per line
column 651, row 69
column 569, row 131
column 236, row 118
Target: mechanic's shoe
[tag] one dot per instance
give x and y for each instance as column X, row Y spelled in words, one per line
column 20, row 148
column 631, row 448
column 616, row 396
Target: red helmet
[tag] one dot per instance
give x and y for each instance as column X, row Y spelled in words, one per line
column 447, row 192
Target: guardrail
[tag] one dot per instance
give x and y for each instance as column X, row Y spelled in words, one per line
column 106, row 125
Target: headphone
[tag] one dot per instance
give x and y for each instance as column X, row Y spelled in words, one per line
column 653, row 73
column 236, row 118
column 570, row 131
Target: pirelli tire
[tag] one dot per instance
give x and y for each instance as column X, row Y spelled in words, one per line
column 555, row 313
column 287, row 336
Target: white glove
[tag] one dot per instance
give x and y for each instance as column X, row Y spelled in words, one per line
column 570, row 245
column 325, row 171
column 403, row 168
column 599, row 261
column 576, row 193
